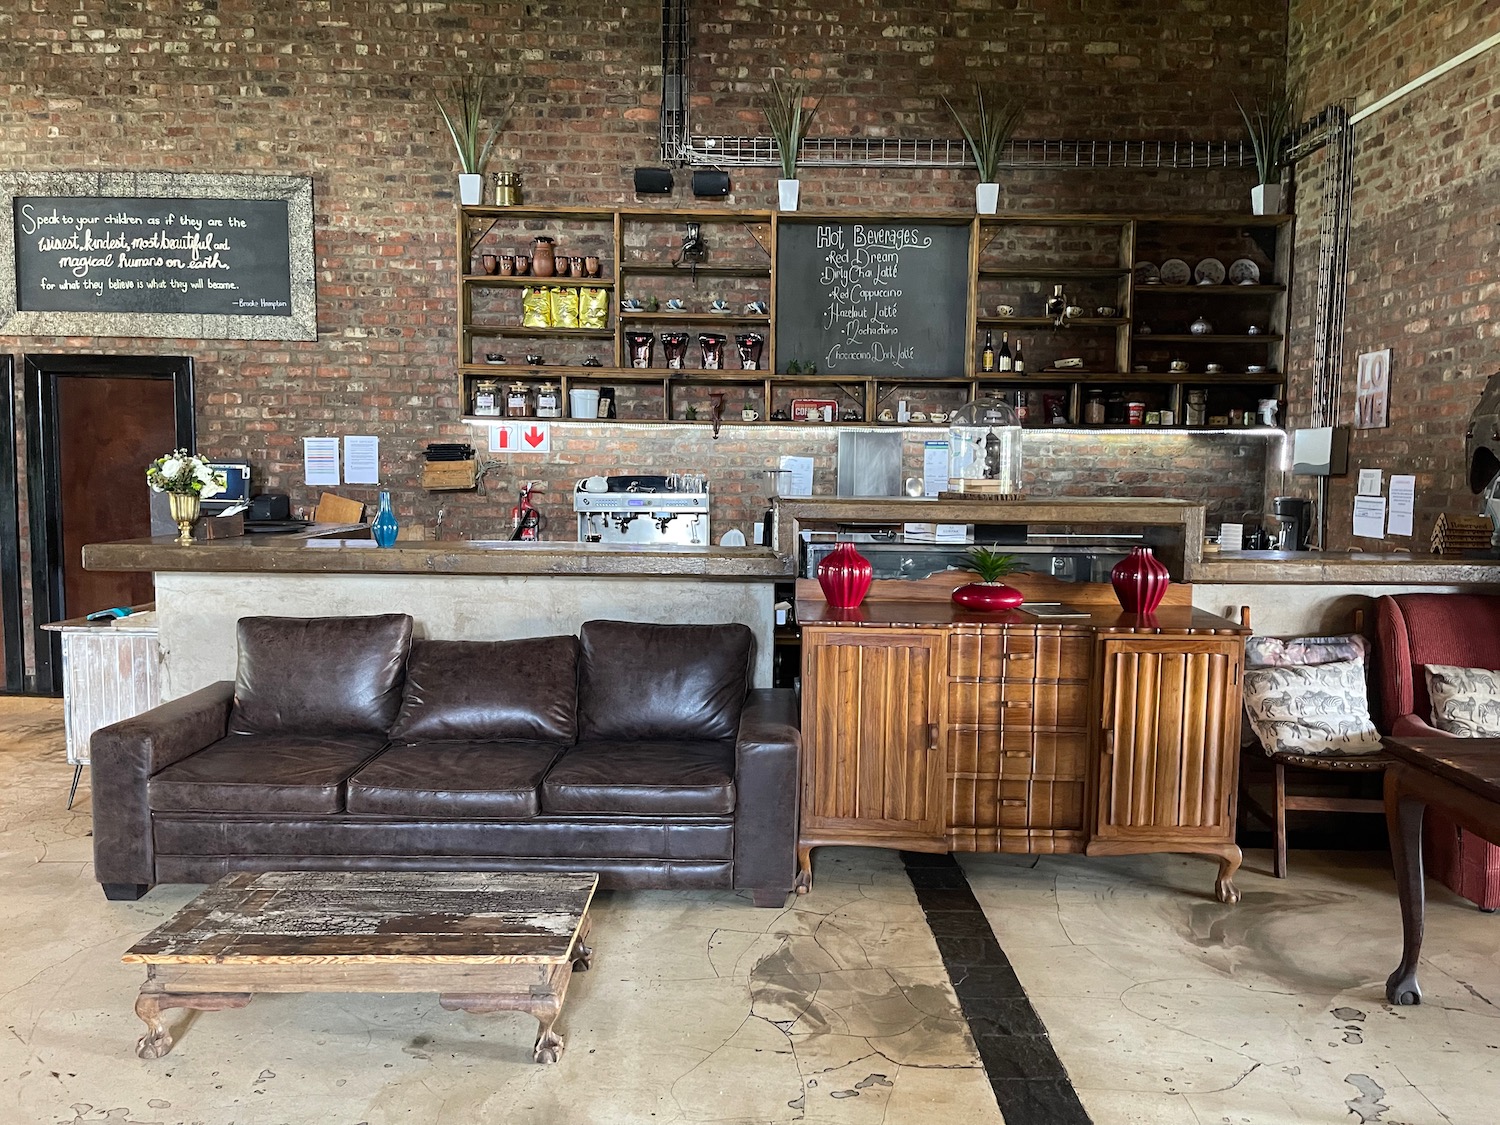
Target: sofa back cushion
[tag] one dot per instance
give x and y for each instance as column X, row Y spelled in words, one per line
column 1415, row 630
column 640, row 682
column 482, row 691
column 320, row 675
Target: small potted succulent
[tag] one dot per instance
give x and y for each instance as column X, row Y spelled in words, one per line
column 989, row 592
column 1269, row 126
column 187, row 480
column 463, row 116
column 987, row 135
column 788, row 120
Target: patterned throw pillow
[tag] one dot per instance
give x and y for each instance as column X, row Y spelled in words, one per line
column 1261, row 652
column 1311, row 709
column 1465, row 701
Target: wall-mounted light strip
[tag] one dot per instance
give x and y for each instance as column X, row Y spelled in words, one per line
column 1416, row 83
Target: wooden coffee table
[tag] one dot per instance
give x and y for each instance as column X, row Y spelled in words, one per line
column 1461, row 776
column 484, row 941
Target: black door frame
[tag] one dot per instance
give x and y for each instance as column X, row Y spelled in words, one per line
column 10, row 534
column 44, row 472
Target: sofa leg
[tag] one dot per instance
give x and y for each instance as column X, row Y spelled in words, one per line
column 768, row 896
column 125, row 892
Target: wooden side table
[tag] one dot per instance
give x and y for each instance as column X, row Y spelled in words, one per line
column 1461, row 776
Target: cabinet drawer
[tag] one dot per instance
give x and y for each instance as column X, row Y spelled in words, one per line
column 1018, row 752
column 989, row 803
column 991, row 653
column 990, row 704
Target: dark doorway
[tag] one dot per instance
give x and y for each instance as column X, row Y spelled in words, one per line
column 12, row 634
column 93, row 423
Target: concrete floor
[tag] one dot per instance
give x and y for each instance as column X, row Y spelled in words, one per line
column 1164, row 1006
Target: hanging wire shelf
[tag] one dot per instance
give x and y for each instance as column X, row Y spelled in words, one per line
column 887, row 152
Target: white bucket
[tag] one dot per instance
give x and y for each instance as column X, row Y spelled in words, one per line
column 583, row 403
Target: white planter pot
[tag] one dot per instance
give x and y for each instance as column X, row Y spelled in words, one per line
column 986, row 198
column 789, row 191
column 470, row 188
column 1265, row 199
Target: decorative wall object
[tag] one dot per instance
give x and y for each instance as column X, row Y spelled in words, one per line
column 157, row 254
column 1372, row 390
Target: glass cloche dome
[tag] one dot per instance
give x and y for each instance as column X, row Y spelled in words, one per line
column 984, row 449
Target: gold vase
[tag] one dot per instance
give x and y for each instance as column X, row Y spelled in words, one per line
column 184, row 510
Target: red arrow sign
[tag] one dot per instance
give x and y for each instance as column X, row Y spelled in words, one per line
column 534, row 437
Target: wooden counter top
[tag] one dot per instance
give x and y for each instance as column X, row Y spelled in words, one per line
column 1174, row 619
column 1335, row 568
column 279, row 554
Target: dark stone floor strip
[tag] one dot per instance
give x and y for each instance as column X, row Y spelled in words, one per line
column 1030, row 1084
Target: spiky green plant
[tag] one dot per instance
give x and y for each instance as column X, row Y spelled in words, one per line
column 992, row 565
column 990, row 130
column 1270, row 126
column 463, row 115
column 788, row 119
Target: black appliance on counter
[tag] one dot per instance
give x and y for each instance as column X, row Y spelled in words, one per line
column 1295, row 515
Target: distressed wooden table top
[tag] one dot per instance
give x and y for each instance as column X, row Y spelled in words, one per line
column 411, row 917
column 1470, row 763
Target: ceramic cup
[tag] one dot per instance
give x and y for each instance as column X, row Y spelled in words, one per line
column 523, row 264
column 1106, row 311
column 1005, row 310
column 1179, row 365
column 1074, row 310
column 507, row 265
column 591, row 265
column 1213, row 368
column 676, row 304
column 750, row 415
column 490, row 263
column 560, row 266
column 576, row 262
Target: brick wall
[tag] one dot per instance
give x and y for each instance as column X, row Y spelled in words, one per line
column 1425, row 239
column 340, row 92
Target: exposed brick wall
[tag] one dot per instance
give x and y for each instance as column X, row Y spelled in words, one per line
column 1425, row 243
column 340, row 91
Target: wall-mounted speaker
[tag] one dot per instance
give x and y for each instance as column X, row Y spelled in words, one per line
column 653, row 181
column 710, row 183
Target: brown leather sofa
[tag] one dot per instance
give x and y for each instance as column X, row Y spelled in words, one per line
column 635, row 751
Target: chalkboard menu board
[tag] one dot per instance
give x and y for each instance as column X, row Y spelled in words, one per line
column 124, row 255
column 167, row 254
column 875, row 298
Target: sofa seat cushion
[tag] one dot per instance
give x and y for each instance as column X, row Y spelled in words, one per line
column 263, row 773
column 490, row 691
column 643, row 779
column 442, row 780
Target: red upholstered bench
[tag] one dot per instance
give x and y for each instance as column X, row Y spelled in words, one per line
column 1414, row 630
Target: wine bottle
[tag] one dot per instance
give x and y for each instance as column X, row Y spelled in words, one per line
column 1003, row 361
column 987, row 357
column 1018, row 363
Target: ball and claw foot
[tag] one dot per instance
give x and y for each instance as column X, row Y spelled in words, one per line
column 1401, row 988
column 549, row 1046
column 1226, row 891
column 583, row 957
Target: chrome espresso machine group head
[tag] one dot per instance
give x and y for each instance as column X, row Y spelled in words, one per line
column 643, row 509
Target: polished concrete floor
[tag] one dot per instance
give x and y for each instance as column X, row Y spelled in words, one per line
column 1163, row 1006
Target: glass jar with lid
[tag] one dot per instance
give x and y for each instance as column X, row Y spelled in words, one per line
column 548, row 401
column 984, row 448
column 518, row 401
column 1093, row 409
column 486, row 398
column 1196, row 413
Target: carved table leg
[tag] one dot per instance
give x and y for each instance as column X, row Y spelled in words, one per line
column 152, row 1001
column 549, row 1044
column 583, row 953
column 1404, row 819
column 1230, row 858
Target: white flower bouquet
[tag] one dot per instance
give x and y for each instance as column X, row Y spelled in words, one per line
column 184, row 473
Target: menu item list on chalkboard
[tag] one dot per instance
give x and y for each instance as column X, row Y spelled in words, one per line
column 878, row 298
column 150, row 255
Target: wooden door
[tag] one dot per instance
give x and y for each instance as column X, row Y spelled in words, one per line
column 1169, row 757
column 871, row 716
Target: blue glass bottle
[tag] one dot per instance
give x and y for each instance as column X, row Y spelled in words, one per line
column 384, row 528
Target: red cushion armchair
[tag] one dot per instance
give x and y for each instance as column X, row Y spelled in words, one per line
column 1415, row 630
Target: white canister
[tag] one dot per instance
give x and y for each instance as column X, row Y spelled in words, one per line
column 583, row 402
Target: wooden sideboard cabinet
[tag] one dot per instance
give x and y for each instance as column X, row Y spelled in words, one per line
column 931, row 728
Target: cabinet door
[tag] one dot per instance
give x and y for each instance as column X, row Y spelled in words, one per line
column 871, row 711
column 1169, row 759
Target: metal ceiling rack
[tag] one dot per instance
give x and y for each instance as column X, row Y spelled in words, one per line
column 892, row 152
column 1331, row 130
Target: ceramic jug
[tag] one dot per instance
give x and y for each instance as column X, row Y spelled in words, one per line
column 543, row 263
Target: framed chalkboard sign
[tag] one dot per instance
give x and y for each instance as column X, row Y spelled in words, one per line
column 873, row 298
column 157, row 254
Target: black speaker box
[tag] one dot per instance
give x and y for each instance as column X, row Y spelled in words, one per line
column 653, row 181
column 708, row 182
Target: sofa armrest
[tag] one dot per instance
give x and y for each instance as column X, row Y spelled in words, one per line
column 123, row 757
column 1414, row 726
column 767, row 754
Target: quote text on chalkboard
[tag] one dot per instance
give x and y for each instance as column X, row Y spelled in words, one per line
column 879, row 298
column 149, row 255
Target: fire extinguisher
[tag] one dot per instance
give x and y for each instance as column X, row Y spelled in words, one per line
column 525, row 520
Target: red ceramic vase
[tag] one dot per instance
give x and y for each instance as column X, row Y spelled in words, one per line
column 845, row 577
column 987, row 595
column 1140, row 581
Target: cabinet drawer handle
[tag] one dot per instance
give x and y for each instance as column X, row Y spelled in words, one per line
column 932, row 737
column 1018, row 753
column 1012, row 802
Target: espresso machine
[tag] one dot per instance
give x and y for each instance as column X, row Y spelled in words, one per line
column 643, row 509
column 1295, row 515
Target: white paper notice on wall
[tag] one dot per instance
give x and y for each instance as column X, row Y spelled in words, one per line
column 1369, row 482
column 1369, row 516
column 934, row 467
column 1403, row 504
column 320, row 460
column 521, row 437
column 361, row 460
column 797, row 478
